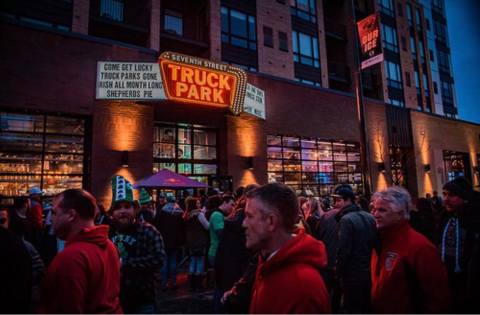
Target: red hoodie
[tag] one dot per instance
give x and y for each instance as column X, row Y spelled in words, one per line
column 290, row 281
column 85, row 276
column 408, row 275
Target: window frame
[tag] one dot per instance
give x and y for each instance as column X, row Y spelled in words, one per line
column 230, row 38
column 298, row 56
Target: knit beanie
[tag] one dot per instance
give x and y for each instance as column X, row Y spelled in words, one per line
column 122, row 190
column 144, row 197
column 460, row 187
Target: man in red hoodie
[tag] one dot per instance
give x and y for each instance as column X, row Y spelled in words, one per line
column 288, row 276
column 85, row 276
column 407, row 273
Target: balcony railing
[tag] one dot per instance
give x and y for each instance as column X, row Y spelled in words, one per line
column 338, row 71
column 335, row 29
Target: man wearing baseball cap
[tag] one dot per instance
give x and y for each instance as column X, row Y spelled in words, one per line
column 460, row 243
column 356, row 237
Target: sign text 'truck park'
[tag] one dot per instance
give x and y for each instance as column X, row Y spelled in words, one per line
column 194, row 80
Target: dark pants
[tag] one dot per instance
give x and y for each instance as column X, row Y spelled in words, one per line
column 356, row 299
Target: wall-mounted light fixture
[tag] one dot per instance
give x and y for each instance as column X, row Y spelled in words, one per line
column 426, row 168
column 249, row 162
column 124, row 158
column 381, row 167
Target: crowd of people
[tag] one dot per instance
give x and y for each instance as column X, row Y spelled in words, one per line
column 262, row 249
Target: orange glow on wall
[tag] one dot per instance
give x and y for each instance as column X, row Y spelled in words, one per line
column 194, row 80
column 381, row 182
column 248, row 178
column 124, row 127
column 427, row 185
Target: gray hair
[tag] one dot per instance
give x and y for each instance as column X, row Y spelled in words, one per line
column 397, row 197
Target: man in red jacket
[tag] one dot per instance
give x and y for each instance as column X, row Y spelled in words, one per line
column 407, row 273
column 288, row 276
column 85, row 276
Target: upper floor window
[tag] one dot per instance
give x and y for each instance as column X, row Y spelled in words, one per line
column 305, row 49
column 440, row 30
column 425, row 85
column 394, row 75
column 173, row 22
column 390, row 40
column 238, row 29
column 417, row 82
column 413, row 47
column 418, row 18
column 304, row 9
column 443, row 61
column 421, row 49
column 282, row 41
column 386, row 6
column 447, row 91
column 112, row 9
column 409, row 14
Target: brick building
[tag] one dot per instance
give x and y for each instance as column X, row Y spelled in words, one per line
column 55, row 134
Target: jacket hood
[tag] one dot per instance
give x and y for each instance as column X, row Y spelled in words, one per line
column 301, row 249
column 97, row 235
column 172, row 208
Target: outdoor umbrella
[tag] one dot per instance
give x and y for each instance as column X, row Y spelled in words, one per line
column 168, row 179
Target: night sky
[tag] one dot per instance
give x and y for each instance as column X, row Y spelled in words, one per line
column 463, row 20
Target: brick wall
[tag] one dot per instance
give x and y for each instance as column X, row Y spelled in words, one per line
column 155, row 18
column 322, row 43
column 215, row 31
column 272, row 60
column 118, row 127
column 431, row 136
column 80, row 16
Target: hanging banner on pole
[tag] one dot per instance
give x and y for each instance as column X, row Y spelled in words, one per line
column 370, row 41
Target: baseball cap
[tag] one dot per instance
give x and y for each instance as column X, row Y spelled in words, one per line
column 344, row 191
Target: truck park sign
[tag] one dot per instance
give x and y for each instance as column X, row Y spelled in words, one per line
column 180, row 78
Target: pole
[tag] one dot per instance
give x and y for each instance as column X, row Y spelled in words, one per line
column 364, row 151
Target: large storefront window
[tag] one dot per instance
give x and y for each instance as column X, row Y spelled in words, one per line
column 398, row 162
column 185, row 149
column 41, row 150
column 456, row 164
column 313, row 164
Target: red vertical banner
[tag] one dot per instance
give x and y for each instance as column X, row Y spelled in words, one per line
column 370, row 41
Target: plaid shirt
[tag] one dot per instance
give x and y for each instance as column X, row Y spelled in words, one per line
column 142, row 253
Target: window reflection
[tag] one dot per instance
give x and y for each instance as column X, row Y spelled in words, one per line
column 26, row 141
column 312, row 164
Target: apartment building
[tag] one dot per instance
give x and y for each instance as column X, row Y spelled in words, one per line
column 55, row 133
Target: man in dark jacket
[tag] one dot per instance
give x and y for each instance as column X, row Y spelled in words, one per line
column 141, row 251
column 356, row 238
column 460, row 244
column 169, row 222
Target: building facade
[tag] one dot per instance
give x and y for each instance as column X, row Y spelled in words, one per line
column 55, row 134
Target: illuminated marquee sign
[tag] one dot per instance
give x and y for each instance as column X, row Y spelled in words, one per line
column 195, row 80
column 370, row 42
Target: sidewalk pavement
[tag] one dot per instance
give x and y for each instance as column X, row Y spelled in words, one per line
column 182, row 301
